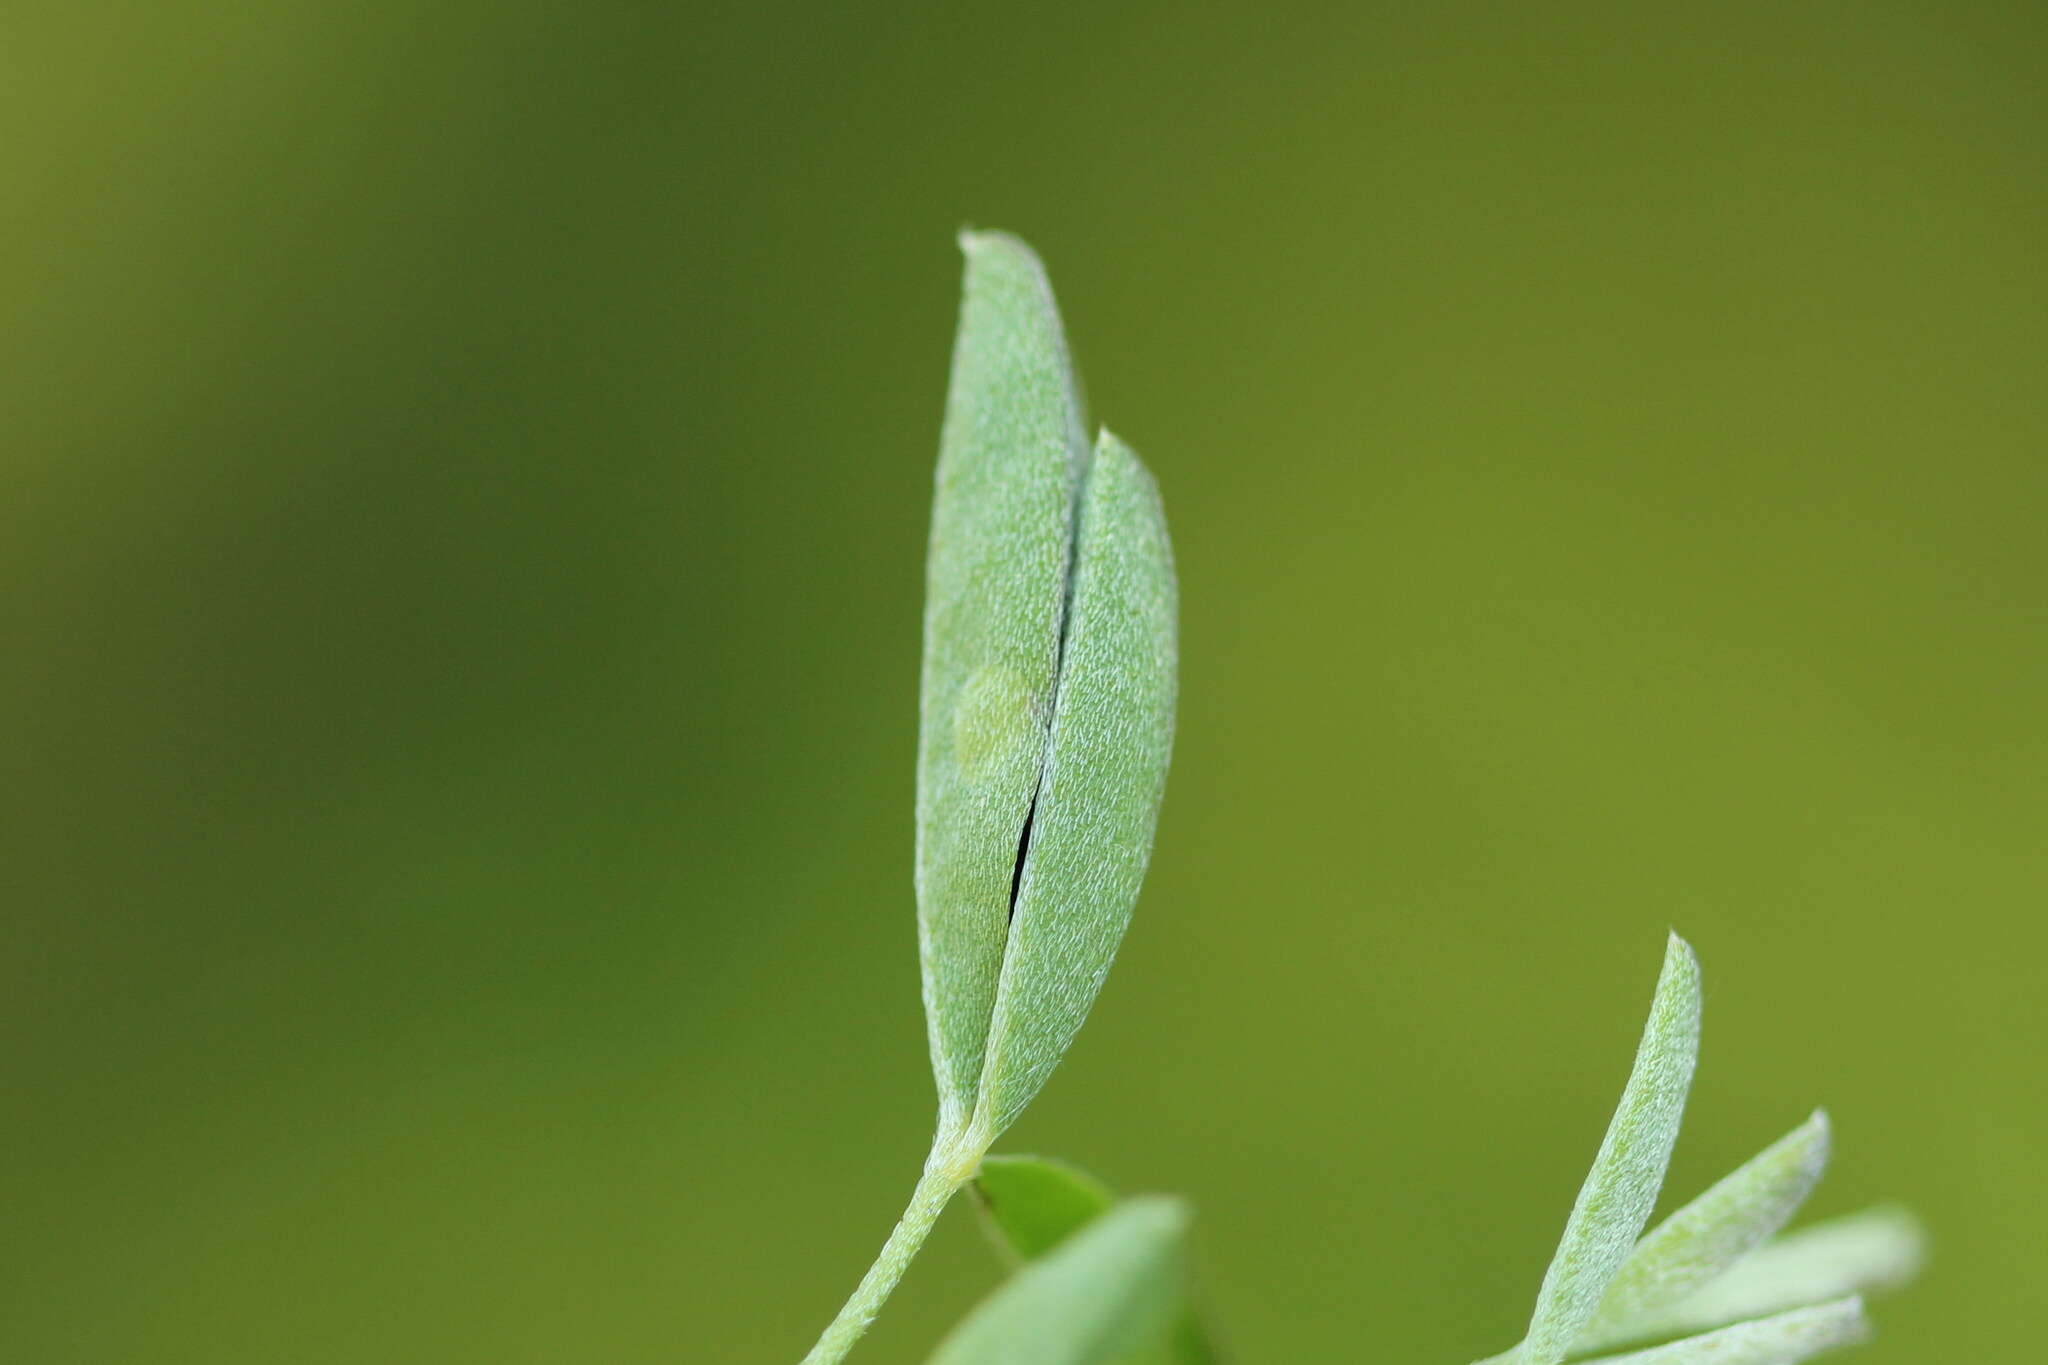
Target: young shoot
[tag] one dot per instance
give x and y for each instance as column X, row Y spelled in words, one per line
column 1046, row 725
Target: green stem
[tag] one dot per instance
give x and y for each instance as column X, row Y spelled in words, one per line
column 944, row 1173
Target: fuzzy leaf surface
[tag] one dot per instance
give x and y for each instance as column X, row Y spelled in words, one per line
column 1105, row 772
column 1707, row 1236
column 1867, row 1252
column 1104, row 1293
column 1621, row 1189
column 1784, row 1339
column 1011, row 455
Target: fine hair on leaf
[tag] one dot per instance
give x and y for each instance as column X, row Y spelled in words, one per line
column 1700, row 1241
column 1045, row 726
column 1621, row 1189
column 1784, row 1339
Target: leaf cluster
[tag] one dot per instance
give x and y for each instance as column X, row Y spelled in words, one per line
column 1713, row 1284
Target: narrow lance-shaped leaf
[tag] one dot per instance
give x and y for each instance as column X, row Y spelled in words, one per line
column 1861, row 1253
column 1011, row 457
column 1621, row 1189
column 1785, row 1339
column 1703, row 1239
column 1091, row 833
column 1032, row 1204
column 1102, row 1294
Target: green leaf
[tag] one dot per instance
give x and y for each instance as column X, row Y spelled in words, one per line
column 1011, row 456
column 1091, row 834
column 1621, row 1189
column 1106, row 1292
column 1045, row 726
column 1867, row 1252
column 1031, row 1204
column 1047, row 717
column 1703, row 1239
column 1782, row 1340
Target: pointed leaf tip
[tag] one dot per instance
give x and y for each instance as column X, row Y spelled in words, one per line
column 1621, row 1189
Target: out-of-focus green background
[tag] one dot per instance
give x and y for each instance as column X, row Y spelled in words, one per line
column 461, row 518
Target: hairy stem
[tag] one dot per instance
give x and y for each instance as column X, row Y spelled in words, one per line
column 944, row 1173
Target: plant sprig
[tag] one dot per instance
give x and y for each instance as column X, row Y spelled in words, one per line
column 1710, row 1269
column 1046, row 727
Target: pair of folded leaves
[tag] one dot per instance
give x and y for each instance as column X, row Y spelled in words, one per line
column 1047, row 724
column 1103, row 1283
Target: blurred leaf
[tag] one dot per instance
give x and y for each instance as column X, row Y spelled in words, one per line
column 1621, row 1189
column 1713, row 1232
column 1781, row 1340
column 1010, row 457
column 1865, row 1252
column 1031, row 1204
column 1186, row 1343
column 1112, row 737
column 1106, row 1292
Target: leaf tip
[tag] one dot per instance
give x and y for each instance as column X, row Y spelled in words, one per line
column 977, row 243
column 1679, row 952
column 1680, row 977
column 1852, row 1323
column 1167, row 1214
